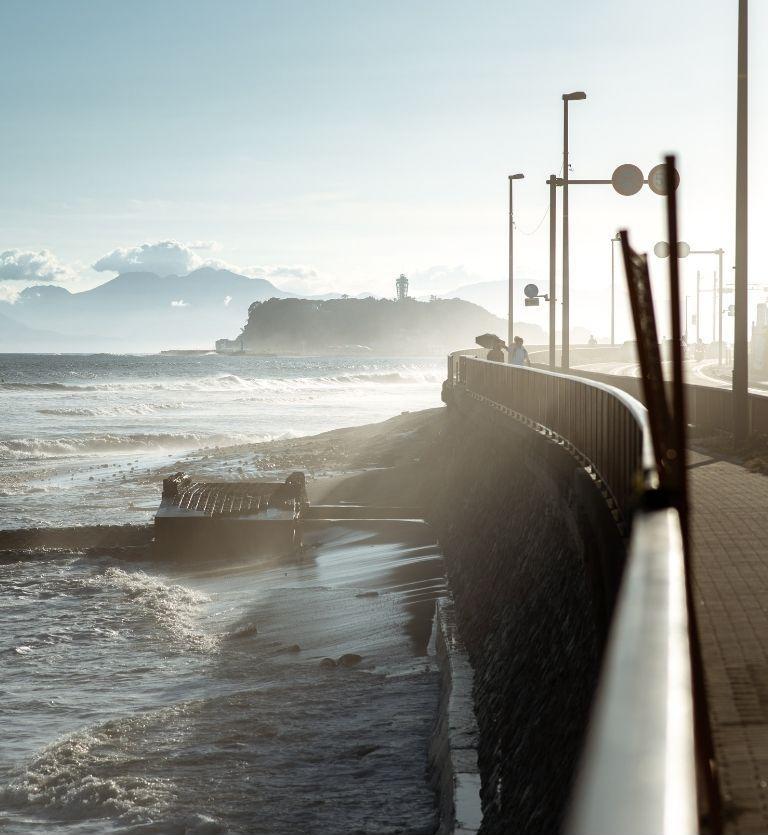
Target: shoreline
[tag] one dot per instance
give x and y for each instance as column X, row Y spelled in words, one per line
column 376, row 463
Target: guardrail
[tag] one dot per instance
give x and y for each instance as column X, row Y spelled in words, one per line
column 604, row 426
column 638, row 769
column 708, row 408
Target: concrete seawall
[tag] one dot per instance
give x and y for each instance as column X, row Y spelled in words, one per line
column 531, row 551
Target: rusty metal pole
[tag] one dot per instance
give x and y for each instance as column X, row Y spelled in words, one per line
column 740, row 337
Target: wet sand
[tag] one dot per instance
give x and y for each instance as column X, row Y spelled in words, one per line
column 378, row 464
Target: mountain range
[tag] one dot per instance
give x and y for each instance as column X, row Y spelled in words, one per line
column 134, row 311
column 143, row 311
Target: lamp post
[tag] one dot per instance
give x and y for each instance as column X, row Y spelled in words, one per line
column 614, row 239
column 564, row 360
column 552, row 182
column 510, row 310
column 740, row 368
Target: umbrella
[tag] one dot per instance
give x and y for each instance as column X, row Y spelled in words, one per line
column 489, row 341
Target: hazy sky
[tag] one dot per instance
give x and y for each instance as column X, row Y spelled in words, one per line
column 356, row 140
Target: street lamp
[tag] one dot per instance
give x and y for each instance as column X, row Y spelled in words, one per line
column 740, row 335
column 564, row 360
column 614, row 239
column 510, row 330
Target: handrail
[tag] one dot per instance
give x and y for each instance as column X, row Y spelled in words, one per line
column 637, row 773
column 607, row 427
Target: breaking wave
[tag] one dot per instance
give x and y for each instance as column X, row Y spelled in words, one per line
column 134, row 410
column 44, row 387
column 232, row 382
column 172, row 607
column 30, row 448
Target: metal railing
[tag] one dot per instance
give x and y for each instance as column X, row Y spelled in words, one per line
column 709, row 408
column 638, row 768
column 605, row 427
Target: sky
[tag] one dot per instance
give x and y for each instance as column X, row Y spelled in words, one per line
column 332, row 145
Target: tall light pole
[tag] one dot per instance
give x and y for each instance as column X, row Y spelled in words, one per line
column 613, row 285
column 510, row 329
column 552, row 182
column 740, row 367
column 565, row 359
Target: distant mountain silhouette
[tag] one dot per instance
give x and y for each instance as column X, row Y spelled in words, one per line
column 144, row 311
column 381, row 326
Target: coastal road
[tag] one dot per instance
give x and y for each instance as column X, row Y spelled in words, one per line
column 697, row 372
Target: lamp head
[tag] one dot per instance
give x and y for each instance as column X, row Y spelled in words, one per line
column 577, row 96
column 516, row 176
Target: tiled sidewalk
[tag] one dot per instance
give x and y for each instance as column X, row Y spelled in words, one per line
column 729, row 521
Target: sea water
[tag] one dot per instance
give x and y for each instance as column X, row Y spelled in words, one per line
column 80, row 436
column 189, row 698
column 152, row 699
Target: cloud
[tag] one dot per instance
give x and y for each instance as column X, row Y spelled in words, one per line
column 179, row 303
column 21, row 265
column 161, row 257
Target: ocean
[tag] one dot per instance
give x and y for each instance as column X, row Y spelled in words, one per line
column 81, row 436
column 189, row 698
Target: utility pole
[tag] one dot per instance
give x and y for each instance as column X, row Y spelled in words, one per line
column 565, row 336
column 720, row 308
column 552, row 271
column 698, row 305
column 613, row 287
column 511, row 292
column 740, row 346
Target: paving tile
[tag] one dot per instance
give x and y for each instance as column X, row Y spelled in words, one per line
column 729, row 510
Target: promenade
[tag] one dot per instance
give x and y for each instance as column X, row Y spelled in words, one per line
column 729, row 512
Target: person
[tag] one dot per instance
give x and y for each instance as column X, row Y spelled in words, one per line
column 495, row 354
column 519, row 354
column 592, row 340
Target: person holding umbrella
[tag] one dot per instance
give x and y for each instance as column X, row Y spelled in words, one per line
column 494, row 343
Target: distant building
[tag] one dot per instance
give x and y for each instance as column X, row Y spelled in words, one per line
column 402, row 288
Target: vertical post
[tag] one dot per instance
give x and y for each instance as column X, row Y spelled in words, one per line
column 740, row 347
column 685, row 330
column 720, row 308
column 698, row 305
column 510, row 329
column 714, row 302
column 613, row 282
column 552, row 268
column 565, row 336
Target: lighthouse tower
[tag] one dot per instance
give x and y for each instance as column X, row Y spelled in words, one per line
column 402, row 288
